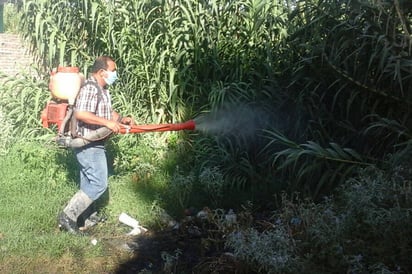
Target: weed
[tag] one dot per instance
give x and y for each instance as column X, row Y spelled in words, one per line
column 180, row 187
column 170, row 261
column 212, row 182
column 5, row 133
column 269, row 251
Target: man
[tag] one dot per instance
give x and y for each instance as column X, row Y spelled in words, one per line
column 93, row 110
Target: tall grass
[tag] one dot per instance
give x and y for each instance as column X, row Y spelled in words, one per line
column 332, row 75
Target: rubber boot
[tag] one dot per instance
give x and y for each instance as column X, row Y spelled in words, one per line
column 90, row 218
column 76, row 206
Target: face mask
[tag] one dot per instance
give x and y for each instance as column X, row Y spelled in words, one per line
column 112, row 76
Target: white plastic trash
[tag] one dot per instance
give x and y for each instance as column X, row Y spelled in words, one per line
column 133, row 223
column 127, row 220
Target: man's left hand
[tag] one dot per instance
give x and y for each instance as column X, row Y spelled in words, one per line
column 127, row 121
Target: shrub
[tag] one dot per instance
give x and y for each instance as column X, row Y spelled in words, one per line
column 268, row 252
column 364, row 228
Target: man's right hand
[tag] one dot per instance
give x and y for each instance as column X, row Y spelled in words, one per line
column 113, row 126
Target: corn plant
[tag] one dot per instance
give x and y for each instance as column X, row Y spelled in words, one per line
column 22, row 100
column 57, row 39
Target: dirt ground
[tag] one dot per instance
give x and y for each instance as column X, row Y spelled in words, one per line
column 195, row 247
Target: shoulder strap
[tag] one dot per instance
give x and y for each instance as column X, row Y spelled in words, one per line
column 99, row 89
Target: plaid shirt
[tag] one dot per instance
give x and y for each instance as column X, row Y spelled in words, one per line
column 91, row 100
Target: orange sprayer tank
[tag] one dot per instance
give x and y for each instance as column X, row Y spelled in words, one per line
column 65, row 83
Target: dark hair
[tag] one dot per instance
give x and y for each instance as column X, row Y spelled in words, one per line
column 101, row 63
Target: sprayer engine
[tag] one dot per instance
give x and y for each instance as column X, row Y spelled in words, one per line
column 54, row 113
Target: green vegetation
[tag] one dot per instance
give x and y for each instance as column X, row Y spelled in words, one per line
column 10, row 17
column 302, row 108
column 35, row 182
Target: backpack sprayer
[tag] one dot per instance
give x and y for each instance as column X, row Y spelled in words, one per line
column 65, row 85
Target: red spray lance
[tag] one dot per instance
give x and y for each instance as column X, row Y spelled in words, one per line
column 189, row 125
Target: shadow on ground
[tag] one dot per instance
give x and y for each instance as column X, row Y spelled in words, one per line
column 196, row 246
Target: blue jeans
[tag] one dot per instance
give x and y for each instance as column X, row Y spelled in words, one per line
column 93, row 170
